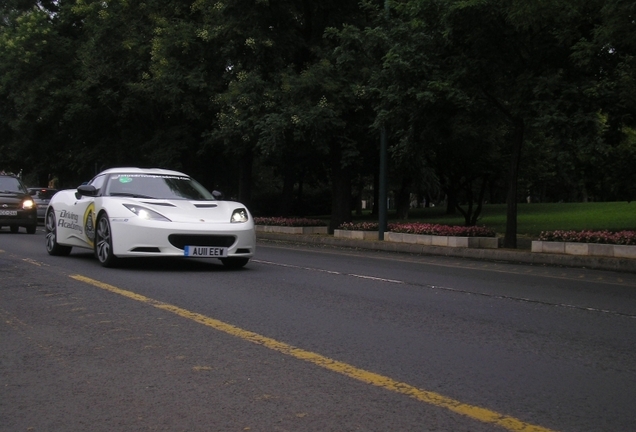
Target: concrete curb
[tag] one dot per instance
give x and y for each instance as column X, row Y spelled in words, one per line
column 509, row 255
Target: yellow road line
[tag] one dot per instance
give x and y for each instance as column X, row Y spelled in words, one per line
column 481, row 414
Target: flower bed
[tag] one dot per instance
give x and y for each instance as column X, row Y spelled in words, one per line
column 359, row 226
column 620, row 244
column 289, row 222
column 605, row 237
column 424, row 234
column 290, row 225
column 441, row 230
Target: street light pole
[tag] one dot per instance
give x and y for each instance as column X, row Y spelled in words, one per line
column 382, row 194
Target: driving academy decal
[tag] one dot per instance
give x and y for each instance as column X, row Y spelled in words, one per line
column 89, row 223
column 69, row 220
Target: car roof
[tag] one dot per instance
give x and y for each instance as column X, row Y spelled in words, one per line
column 134, row 170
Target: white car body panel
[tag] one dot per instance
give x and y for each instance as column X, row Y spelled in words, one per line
column 132, row 236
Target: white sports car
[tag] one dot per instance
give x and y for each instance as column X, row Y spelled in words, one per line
column 134, row 212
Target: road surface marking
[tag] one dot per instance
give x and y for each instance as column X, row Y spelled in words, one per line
column 478, row 413
column 456, row 290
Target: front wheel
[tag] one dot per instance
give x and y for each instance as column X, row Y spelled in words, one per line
column 31, row 229
column 104, row 243
column 52, row 246
column 234, row 263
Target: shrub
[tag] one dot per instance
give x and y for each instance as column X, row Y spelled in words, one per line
column 289, row 222
column 607, row 237
column 441, row 230
column 359, row 226
column 422, row 228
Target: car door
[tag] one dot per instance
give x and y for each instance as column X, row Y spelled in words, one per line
column 76, row 216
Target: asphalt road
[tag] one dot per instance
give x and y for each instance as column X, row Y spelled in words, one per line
column 311, row 339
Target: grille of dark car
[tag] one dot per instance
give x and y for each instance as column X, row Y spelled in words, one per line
column 182, row 240
column 10, row 206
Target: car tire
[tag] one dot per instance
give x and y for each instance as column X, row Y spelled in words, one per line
column 14, row 228
column 31, row 228
column 52, row 246
column 104, row 242
column 234, row 263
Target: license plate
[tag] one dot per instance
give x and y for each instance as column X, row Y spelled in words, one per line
column 205, row 252
column 8, row 212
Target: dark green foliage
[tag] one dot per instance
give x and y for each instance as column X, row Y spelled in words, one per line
column 281, row 103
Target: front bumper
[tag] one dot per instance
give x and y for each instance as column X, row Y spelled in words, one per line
column 134, row 238
column 23, row 218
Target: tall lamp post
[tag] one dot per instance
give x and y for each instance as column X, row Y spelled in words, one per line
column 382, row 194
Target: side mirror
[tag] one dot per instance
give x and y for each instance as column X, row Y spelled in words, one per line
column 217, row 195
column 85, row 190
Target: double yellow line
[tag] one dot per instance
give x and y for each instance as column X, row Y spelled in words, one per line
column 481, row 414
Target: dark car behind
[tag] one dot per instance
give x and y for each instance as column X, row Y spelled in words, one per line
column 17, row 208
column 41, row 197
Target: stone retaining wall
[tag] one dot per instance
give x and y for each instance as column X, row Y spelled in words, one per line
column 427, row 240
column 292, row 230
column 585, row 249
column 357, row 235
column 448, row 241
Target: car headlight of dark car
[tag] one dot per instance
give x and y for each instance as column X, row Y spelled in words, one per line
column 239, row 216
column 28, row 204
column 146, row 213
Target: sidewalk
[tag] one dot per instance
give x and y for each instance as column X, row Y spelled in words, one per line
column 509, row 255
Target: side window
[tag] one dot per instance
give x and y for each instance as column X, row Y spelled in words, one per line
column 98, row 182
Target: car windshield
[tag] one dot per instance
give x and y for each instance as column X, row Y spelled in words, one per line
column 11, row 184
column 157, row 186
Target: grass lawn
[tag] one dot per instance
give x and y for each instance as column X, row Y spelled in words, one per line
column 534, row 218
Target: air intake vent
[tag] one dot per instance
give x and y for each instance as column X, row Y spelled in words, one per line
column 182, row 240
column 165, row 204
column 146, row 249
column 205, row 205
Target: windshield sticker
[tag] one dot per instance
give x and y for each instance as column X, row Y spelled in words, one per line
column 127, row 178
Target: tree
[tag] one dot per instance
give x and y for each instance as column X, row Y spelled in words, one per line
column 36, row 64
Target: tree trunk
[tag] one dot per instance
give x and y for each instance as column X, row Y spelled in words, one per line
column 341, row 190
column 510, row 238
column 403, row 199
column 287, row 200
column 300, row 206
column 245, row 179
column 375, row 210
column 480, row 202
column 358, row 197
column 451, row 201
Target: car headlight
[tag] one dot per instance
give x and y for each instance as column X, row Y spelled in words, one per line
column 239, row 216
column 28, row 204
column 146, row 213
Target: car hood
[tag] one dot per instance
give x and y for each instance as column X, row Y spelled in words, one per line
column 12, row 197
